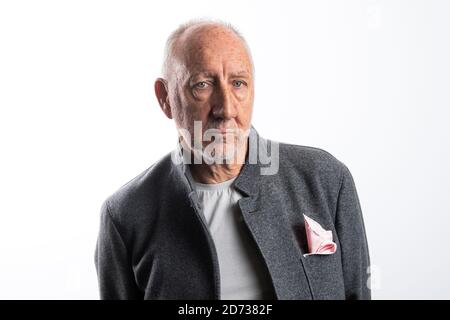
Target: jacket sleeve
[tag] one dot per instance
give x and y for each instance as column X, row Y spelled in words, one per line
column 352, row 237
column 112, row 263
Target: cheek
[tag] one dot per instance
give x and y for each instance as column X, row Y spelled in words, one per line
column 245, row 96
column 195, row 112
column 189, row 110
column 201, row 95
column 197, row 105
column 246, row 104
column 242, row 95
column 199, row 111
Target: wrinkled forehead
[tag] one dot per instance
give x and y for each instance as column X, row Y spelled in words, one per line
column 213, row 50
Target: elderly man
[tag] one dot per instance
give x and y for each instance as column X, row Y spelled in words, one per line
column 220, row 218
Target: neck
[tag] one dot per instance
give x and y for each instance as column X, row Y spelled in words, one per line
column 217, row 173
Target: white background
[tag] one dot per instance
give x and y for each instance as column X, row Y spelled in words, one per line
column 366, row 80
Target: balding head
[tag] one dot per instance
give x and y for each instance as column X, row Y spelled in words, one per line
column 194, row 35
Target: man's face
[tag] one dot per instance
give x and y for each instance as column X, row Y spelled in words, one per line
column 212, row 83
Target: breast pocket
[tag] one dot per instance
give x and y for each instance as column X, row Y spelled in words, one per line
column 325, row 275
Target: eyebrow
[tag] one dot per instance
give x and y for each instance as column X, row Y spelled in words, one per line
column 212, row 74
column 240, row 73
column 203, row 73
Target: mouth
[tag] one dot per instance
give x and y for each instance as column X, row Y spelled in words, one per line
column 224, row 130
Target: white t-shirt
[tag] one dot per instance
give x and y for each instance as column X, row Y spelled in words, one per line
column 241, row 271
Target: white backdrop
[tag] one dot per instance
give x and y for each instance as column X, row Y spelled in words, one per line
column 366, row 80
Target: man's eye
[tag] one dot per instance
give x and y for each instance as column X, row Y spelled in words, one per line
column 201, row 85
column 238, row 83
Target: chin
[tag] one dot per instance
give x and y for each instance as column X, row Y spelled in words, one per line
column 224, row 153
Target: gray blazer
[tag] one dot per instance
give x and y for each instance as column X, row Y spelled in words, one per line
column 154, row 244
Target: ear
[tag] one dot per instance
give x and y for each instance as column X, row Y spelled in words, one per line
column 163, row 97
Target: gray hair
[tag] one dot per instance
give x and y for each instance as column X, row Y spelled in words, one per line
column 175, row 35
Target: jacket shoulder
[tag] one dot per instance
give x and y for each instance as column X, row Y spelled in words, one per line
column 309, row 159
column 139, row 192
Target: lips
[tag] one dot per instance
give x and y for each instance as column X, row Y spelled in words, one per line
column 224, row 131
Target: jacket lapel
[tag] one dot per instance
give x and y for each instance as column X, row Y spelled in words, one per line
column 267, row 221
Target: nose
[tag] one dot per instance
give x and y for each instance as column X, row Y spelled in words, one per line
column 224, row 106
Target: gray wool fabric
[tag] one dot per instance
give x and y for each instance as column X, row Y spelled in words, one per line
column 154, row 244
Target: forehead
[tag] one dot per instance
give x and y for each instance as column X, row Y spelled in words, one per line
column 213, row 50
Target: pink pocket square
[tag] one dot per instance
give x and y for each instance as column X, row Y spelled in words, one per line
column 320, row 241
